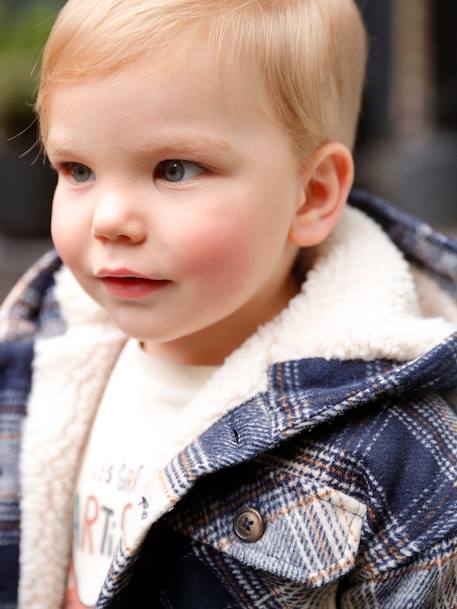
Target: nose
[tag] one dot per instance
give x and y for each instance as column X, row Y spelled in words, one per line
column 115, row 218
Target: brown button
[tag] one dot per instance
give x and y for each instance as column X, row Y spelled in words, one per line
column 248, row 525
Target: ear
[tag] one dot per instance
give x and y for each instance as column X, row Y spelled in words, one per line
column 327, row 180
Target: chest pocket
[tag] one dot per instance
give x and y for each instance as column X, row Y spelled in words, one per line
column 283, row 524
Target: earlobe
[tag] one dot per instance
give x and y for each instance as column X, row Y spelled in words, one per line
column 327, row 182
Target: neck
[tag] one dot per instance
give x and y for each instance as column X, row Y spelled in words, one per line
column 211, row 345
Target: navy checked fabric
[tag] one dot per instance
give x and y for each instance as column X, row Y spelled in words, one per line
column 14, row 389
column 33, row 314
column 398, row 457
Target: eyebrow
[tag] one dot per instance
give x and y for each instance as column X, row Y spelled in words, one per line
column 186, row 145
column 201, row 146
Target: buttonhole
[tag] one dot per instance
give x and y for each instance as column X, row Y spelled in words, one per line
column 236, row 436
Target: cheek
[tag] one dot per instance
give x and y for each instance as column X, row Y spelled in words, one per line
column 215, row 247
column 67, row 232
column 243, row 233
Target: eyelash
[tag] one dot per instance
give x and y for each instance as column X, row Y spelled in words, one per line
column 66, row 167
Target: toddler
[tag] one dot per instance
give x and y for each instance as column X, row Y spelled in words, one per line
column 227, row 388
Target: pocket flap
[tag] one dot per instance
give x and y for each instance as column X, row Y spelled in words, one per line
column 311, row 532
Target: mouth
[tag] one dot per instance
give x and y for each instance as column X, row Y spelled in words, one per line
column 124, row 283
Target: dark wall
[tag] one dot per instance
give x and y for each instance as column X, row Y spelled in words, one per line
column 417, row 171
column 374, row 121
column 445, row 31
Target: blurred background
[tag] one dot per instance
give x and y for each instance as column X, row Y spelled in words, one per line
column 407, row 142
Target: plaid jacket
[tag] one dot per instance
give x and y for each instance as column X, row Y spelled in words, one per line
column 349, row 463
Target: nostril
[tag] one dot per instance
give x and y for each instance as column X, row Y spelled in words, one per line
column 120, row 232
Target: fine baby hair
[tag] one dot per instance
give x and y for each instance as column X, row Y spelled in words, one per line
column 307, row 57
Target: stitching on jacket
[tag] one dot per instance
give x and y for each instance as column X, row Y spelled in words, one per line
column 284, row 479
column 296, row 485
column 295, row 568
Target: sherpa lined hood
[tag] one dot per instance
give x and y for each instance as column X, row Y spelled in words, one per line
column 376, row 318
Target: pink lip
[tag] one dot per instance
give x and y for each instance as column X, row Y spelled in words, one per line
column 125, row 283
column 122, row 272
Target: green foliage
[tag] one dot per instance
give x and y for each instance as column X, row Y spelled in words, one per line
column 23, row 33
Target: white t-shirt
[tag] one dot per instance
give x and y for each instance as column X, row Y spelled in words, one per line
column 134, row 425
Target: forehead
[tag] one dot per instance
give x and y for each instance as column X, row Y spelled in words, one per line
column 176, row 88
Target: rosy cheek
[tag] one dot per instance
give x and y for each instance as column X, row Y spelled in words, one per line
column 213, row 247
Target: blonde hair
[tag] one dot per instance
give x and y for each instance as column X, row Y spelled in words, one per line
column 309, row 54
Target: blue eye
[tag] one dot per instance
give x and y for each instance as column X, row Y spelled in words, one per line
column 78, row 172
column 177, row 170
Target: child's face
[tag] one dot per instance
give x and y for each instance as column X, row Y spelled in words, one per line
column 165, row 175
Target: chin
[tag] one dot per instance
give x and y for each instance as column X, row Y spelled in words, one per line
column 137, row 331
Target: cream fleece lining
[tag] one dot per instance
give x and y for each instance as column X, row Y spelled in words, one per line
column 359, row 301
